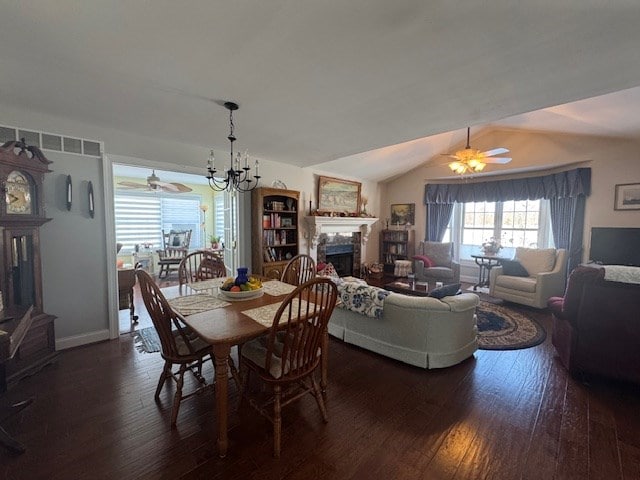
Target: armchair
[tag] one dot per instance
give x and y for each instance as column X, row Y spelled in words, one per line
column 546, row 277
column 595, row 325
column 434, row 262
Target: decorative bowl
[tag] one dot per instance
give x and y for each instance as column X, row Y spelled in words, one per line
column 243, row 295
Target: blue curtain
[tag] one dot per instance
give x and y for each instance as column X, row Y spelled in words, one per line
column 566, row 191
column 567, row 223
column 438, row 217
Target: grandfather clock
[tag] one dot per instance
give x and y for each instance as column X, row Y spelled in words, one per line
column 22, row 171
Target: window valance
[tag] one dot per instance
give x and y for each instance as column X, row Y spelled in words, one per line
column 571, row 183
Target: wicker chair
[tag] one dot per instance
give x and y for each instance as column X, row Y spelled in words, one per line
column 299, row 270
column 287, row 358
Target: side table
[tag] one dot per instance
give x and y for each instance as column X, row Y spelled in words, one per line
column 485, row 263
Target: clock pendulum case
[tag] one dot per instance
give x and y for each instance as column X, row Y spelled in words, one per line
column 22, row 172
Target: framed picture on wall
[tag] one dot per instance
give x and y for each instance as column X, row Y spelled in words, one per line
column 627, row 196
column 403, row 214
column 337, row 195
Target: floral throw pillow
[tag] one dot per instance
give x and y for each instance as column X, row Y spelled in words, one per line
column 362, row 298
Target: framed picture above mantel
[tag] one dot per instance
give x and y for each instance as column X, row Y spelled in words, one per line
column 338, row 196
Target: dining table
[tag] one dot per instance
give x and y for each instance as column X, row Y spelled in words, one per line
column 223, row 323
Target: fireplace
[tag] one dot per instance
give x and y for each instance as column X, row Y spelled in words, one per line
column 341, row 257
column 342, row 251
column 339, row 240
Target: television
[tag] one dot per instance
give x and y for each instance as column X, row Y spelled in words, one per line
column 615, row 246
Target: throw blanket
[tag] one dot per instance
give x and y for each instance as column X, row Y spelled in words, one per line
column 621, row 273
column 362, row 298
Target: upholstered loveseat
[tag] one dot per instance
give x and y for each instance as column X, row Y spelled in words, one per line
column 595, row 325
column 543, row 275
column 421, row 331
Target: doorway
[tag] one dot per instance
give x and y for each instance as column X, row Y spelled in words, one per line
column 148, row 202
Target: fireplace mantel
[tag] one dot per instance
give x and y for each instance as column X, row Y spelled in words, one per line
column 317, row 225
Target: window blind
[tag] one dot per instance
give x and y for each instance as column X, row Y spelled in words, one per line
column 140, row 218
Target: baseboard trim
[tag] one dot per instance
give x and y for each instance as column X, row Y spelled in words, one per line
column 84, row 339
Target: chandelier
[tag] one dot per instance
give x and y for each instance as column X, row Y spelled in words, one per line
column 236, row 178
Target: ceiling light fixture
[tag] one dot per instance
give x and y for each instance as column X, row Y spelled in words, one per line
column 472, row 160
column 468, row 160
column 236, row 179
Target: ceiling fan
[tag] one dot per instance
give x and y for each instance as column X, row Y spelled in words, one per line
column 473, row 160
column 154, row 184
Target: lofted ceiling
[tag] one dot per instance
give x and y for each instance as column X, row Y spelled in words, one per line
column 368, row 88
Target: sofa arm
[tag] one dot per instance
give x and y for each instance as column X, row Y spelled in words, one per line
column 549, row 284
column 493, row 274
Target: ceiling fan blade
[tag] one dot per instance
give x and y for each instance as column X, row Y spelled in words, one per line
column 450, row 155
column 502, row 160
column 495, row 151
column 133, row 185
column 170, row 187
column 181, row 188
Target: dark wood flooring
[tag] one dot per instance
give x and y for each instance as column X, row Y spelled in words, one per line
column 499, row 415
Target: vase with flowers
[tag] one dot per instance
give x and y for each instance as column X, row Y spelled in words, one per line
column 491, row 247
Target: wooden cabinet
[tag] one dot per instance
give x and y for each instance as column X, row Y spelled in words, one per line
column 274, row 229
column 395, row 245
column 22, row 171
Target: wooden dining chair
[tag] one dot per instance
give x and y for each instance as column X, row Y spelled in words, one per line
column 179, row 344
column 299, row 270
column 198, row 266
column 288, row 356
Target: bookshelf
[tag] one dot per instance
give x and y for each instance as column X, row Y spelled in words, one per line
column 395, row 245
column 274, row 229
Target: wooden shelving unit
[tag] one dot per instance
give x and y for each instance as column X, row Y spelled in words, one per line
column 395, row 245
column 274, row 229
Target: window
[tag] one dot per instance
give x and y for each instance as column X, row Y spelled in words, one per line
column 141, row 217
column 218, row 215
column 515, row 223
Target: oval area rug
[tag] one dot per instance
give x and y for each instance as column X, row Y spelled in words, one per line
column 503, row 328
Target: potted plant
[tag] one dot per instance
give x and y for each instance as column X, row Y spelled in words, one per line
column 215, row 241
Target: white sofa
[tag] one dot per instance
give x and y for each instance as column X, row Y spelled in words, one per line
column 421, row 331
column 547, row 272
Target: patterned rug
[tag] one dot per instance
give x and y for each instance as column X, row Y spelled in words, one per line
column 146, row 340
column 503, row 328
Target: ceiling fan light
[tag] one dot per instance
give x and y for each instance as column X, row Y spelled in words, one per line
column 454, row 166
column 479, row 166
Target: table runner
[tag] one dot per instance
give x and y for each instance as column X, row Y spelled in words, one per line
column 264, row 315
column 192, row 304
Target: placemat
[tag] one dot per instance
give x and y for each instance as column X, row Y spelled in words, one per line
column 207, row 284
column 264, row 315
column 277, row 288
column 192, row 304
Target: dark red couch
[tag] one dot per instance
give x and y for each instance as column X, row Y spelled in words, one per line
column 596, row 325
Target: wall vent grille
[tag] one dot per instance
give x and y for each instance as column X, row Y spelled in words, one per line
column 52, row 141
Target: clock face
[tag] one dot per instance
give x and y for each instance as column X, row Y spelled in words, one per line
column 18, row 194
